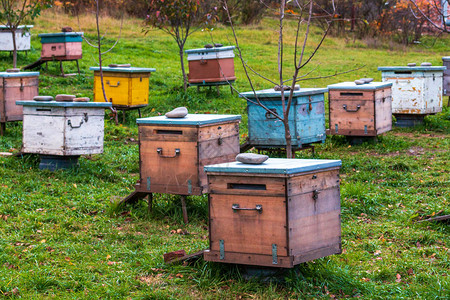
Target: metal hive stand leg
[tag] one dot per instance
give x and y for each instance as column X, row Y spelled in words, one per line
column 78, row 67
column 2, row 128
column 184, row 209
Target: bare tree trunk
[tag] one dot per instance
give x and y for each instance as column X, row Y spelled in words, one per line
column 185, row 80
column 13, row 32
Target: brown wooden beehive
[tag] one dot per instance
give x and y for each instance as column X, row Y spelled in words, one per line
column 173, row 152
column 281, row 213
column 360, row 110
column 61, row 46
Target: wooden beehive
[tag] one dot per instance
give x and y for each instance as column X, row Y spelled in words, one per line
column 279, row 214
column 211, row 65
column 306, row 118
column 61, row 46
column 16, row 86
column 63, row 128
column 415, row 90
column 360, row 110
column 446, row 80
column 22, row 37
column 173, row 151
column 125, row 87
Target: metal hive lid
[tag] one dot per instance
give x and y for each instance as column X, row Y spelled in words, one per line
column 271, row 93
column 57, row 34
column 65, row 104
column 18, row 74
column 190, row 119
column 208, row 50
column 124, row 70
column 416, row 68
column 353, row 86
column 275, row 166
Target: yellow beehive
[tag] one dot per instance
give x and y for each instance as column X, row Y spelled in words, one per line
column 125, row 87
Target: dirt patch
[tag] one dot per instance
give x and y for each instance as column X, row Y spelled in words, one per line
column 415, row 135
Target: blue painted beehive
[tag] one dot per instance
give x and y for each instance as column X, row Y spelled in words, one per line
column 306, row 118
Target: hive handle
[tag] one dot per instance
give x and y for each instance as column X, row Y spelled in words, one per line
column 236, row 208
column 160, row 153
column 351, row 110
column 71, row 126
column 203, row 61
column 108, row 83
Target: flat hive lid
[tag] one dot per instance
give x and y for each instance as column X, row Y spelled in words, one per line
column 18, row 27
column 446, row 58
column 58, row 34
column 275, row 166
column 416, row 68
column 65, row 104
column 207, row 50
column 353, row 86
column 123, row 70
column 271, row 93
column 18, row 74
column 190, row 119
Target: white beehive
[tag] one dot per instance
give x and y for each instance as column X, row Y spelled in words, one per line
column 416, row 90
column 63, row 128
column 22, row 38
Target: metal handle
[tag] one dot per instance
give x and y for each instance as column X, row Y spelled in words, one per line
column 203, row 61
column 160, row 153
column 21, row 84
column 258, row 208
column 316, row 195
column 85, row 119
column 108, row 83
column 351, row 110
column 271, row 116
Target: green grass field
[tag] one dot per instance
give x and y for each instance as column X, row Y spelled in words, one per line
column 62, row 235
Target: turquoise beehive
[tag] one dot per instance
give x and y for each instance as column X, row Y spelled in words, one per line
column 306, row 118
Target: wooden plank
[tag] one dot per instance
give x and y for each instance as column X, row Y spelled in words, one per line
column 168, row 133
column 351, row 95
column 346, row 115
column 305, row 205
column 50, row 50
column 217, row 131
column 172, row 170
column 139, row 90
column 314, row 232
column 6, row 154
column 43, row 135
column 242, row 185
column 306, row 183
column 383, row 111
column 74, row 49
column 84, row 137
column 182, row 189
column 218, row 147
column 18, row 88
column 318, row 253
column 248, row 259
column 248, row 231
column 210, row 161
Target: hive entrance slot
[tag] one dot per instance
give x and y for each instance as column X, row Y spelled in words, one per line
column 163, row 131
column 402, row 72
column 43, row 109
column 351, row 94
column 246, row 186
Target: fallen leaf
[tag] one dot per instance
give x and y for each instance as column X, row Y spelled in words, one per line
column 108, row 256
column 75, row 185
column 410, row 271
column 399, row 278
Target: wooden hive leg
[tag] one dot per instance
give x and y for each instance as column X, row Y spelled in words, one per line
column 46, row 66
column 184, row 209
column 123, row 117
column 78, row 66
column 198, row 89
column 2, row 128
column 139, row 112
column 218, row 90
column 150, row 202
column 231, row 88
column 61, row 67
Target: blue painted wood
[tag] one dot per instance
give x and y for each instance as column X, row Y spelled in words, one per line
column 64, row 104
column 275, row 166
column 61, row 37
column 190, row 119
column 209, row 50
column 18, row 74
column 353, row 86
column 124, row 70
column 306, row 118
column 6, row 27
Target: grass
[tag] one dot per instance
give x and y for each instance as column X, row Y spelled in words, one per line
column 63, row 236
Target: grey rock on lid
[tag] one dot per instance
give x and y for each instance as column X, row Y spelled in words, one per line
column 411, row 65
column 426, row 64
column 179, row 112
column 15, row 70
column 366, row 80
column 81, row 99
column 64, row 98
column 119, row 65
column 43, row 98
column 251, row 158
column 359, row 82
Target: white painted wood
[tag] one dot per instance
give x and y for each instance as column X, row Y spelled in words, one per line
column 22, row 40
column 63, row 131
column 416, row 93
column 210, row 55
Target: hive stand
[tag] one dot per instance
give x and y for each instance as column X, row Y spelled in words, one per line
column 216, row 84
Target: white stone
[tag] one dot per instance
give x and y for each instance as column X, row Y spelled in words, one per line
column 251, row 158
column 179, row 112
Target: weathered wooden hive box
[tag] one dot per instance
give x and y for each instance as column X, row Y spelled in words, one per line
column 415, row 90
column 360, row 110
column 173, row 152
column 279, row 214
column 125, row 87
column 63, row 128
column 16, row 86
column 22, row 38
column 211, row 65
column 306, row 118
column 446, row 81
column 61, row 46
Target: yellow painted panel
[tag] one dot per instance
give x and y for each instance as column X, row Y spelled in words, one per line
column 139, row 91
column 116, row 89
